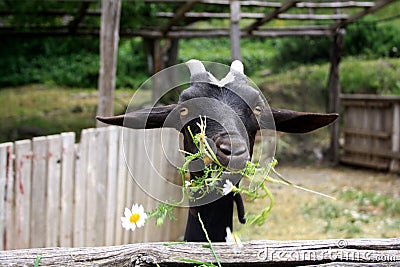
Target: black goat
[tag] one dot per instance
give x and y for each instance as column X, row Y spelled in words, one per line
column 235, row 112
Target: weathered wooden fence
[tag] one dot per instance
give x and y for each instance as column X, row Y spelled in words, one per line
column 340, row 252
column 54, row 192
column 372, row 131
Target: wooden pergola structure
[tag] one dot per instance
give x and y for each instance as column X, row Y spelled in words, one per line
column 241, row 18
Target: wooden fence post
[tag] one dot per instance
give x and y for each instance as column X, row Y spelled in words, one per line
column 158, row 65
column 235, row 30
column 334, row 93
column 6, row 150
column 109, row 35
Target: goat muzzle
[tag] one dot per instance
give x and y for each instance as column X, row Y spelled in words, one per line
column 232, row 152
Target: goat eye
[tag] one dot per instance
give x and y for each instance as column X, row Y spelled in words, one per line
column 257, row 110
column 184, row 111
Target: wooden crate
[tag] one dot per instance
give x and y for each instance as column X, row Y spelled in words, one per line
column 372, row 131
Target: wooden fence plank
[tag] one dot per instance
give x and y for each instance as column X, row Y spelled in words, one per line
column 111, row 199
column 23, row 165
column 174, row 159
column 91, row 192
column 102, row 160
column 138, row 166
column 10, row 201
column 343, row 252
column 121, row 188
column 160, row 186
column 5, row 156
column 67, row 188
column 147, row 176
column 39, row 183
column 152, row 179
column 130, row 142
column 53, row 190
column 96, row 186
column 3, row 179
column 79, row 232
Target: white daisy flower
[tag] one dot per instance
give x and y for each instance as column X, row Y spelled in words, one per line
column 133, row 218
column 232, row 239
column 228, row 187
column 188, row 183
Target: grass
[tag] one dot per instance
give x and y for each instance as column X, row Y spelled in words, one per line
column 289, row 88
column 367, row 205
column 41, row 110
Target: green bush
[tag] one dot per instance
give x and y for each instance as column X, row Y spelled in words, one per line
column 372, row 40
column 371, row 76
column 294, row 51
column 62, row 61
column 366, row 38
column 67, row 62
column 131, row 64
column 256, row 53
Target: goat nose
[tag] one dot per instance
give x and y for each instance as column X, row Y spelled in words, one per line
column 232, row 147
column 226, row 149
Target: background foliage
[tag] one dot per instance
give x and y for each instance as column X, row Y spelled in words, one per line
column 74, row 62
column 285, row 69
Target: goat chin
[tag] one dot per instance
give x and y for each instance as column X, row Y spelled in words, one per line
column 215, row 221
column 216, row 212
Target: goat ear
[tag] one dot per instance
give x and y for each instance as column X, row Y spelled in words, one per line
column 155, row 117
column 290, row 121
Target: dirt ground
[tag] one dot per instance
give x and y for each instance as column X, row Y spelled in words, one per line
column 367, row 205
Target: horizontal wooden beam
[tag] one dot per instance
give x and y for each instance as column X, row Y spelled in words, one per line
column 223, row 2
column 270, row 16
column 378, row 5
column 370, row 97
column 287, row 33
column 335, row 4
column 367, row 133
column 211, row 15
column 331, row 252
column 305, row 4
column 173, row 33
column 363, row 163
column 179, row 14
column 313, row 16
column 373, row 152
column 49, row 12
column 244, row 15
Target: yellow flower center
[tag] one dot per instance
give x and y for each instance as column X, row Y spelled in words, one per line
column 134, row 217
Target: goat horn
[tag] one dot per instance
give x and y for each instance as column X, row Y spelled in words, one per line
column 238, row 66
column 195, row 66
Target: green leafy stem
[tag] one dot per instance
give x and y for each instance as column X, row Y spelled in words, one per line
column 196, row 188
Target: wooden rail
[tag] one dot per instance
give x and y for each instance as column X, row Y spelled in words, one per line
column 339, row 252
